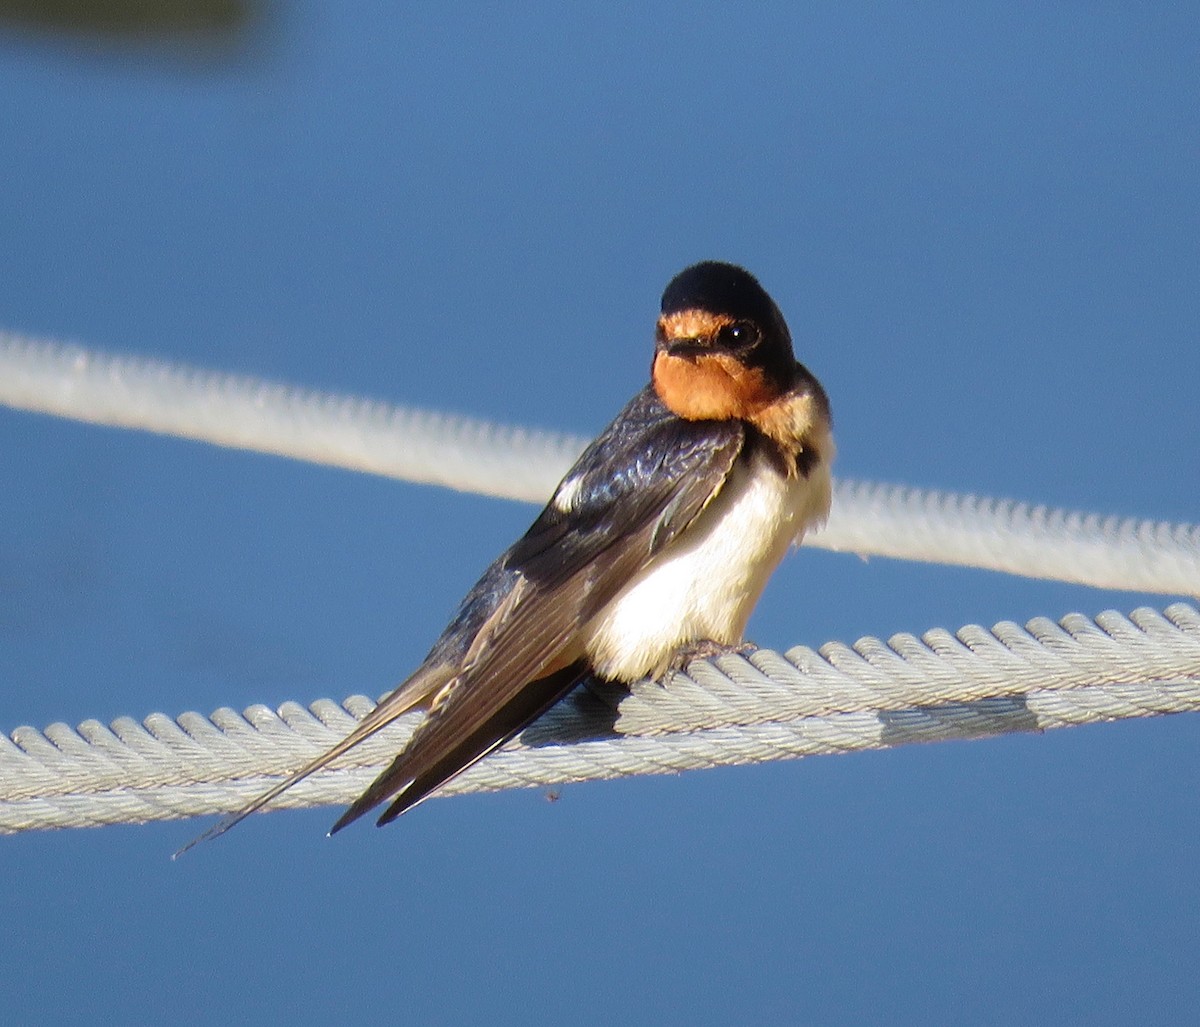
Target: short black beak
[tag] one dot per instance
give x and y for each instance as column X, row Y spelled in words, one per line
column 689, row 349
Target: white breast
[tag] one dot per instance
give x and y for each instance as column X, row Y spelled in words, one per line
column 704, row 585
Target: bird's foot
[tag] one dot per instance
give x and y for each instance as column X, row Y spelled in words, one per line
column 706, row 649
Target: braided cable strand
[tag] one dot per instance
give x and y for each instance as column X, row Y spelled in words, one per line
column 269, row 417
column 732, row 710
column 1017, row 538
column 512, row 463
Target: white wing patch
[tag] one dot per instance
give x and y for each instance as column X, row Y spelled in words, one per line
column 567, row 494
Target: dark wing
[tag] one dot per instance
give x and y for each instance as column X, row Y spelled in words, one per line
column 632, row 491
column 506, row 656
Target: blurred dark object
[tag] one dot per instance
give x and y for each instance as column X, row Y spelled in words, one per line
column 150, row 20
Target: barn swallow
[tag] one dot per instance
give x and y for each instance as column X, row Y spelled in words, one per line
column 655, row 546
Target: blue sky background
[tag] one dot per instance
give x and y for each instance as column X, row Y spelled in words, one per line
column 984, row 227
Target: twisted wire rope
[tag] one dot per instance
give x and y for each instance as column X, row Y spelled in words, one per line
column 973, row 683
column 870, row 519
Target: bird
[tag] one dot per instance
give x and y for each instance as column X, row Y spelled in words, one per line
column 653, row 549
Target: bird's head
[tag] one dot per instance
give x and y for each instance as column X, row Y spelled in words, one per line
column 722, row 347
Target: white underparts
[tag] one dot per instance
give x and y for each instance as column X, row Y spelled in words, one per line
column 705, row 584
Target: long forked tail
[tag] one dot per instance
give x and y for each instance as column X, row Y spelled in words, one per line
column 412, row 693
column 444, row 746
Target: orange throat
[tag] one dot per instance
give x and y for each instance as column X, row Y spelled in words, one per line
column 713, row 387
column 717, row 387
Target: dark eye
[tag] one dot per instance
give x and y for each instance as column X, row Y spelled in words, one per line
column 740, row 335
